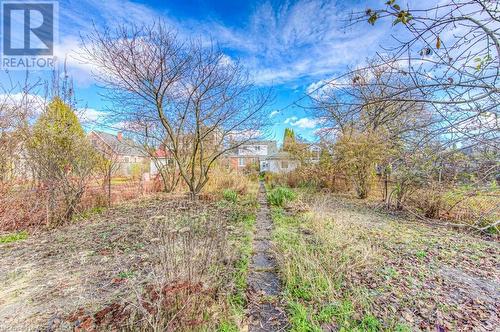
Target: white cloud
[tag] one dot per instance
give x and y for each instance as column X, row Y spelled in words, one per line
column 278, row 43
column 273, row 114
column 32, row 103
column 290, row 120
column 306, row 123
column 282, row 43
column 90, row 115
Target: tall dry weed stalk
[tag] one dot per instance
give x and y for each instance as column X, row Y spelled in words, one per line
column 186, row 278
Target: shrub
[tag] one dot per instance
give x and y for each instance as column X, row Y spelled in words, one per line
column 280, row 196
column 230, row 195
column 358, row 154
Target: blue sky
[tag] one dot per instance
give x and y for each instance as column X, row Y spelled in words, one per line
column 287, row 45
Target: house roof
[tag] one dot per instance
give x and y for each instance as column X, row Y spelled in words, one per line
column 263, row 142
column 124, row 147
column 272, row 147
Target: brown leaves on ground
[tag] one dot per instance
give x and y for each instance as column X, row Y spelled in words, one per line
column 107, row 262
column 429, row 277
column 192, row 298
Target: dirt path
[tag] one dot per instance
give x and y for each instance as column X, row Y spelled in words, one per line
column 265, row 308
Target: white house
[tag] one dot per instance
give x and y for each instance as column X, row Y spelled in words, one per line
column 280, row 162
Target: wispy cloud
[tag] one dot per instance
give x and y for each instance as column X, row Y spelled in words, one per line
column 290, row 120
column 273, row 114
column 278, row 43
column 283, row 43
column 306, row 123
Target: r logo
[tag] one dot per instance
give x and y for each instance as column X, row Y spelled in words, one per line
column 28, row 28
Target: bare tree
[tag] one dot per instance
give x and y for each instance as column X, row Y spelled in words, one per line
column 18, row 107
column 157, row 146
column 203, row 101
column 451, row 56
column 107, row 164
column 364, row 99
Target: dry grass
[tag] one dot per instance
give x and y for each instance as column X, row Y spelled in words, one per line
column 346, row 265
column 152, row 265
column 222, row 179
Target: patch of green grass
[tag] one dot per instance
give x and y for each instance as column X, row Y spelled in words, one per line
column 326, row 314
column 315, row 295
column 302, row 280
column 390, row 273
column 402, row 328
column 9, row 238
column 227, row 327
column 421, row 254
column 280, row 196
column 89, row 213
column 125, row 274
column 299, row 317
column 243, row 217
column 370, row 324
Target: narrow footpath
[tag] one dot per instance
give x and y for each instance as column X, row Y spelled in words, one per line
column 265, row 307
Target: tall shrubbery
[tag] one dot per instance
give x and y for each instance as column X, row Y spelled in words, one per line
column 357, row 154
column 62, row 158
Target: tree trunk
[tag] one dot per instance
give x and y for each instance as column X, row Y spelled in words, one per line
column 109, row 187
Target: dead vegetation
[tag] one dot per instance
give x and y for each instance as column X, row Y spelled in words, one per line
column 347, row 265
column 151, row 265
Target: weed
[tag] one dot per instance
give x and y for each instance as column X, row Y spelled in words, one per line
column 370, row 324
column 244, row 217
column 230, row 195
column 9, row 238
column 421, row 254
column 326, row 314
column 402, row 328
column 280, row 196
column 227, row 327
column 390, row 273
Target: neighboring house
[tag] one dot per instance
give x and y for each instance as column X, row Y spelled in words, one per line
column 161, row 158
column 14, row 160
column 129, row 156
column 280, row 162
column 252, row 153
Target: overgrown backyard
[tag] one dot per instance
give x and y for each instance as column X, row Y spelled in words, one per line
column 350, row 266
column 168, row 263
column 303, row 166
column 163, row 263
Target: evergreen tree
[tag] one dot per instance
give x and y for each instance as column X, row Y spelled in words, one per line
column 288, row 139
column 62, row 157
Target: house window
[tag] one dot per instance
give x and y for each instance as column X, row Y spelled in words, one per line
column 241, row 162
column 126, row 159
column 257, row 148
column 284, row 164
